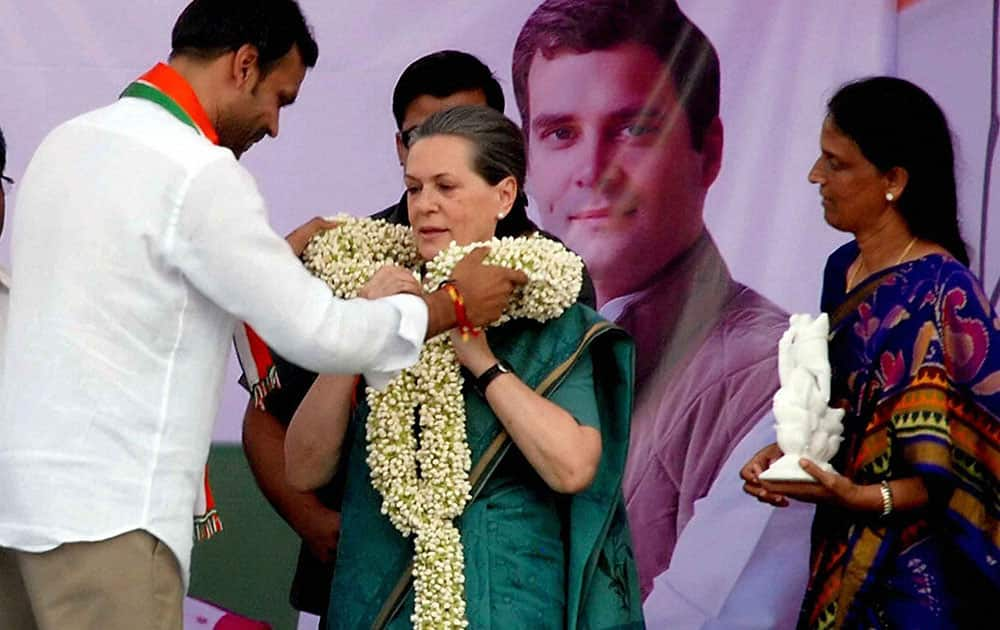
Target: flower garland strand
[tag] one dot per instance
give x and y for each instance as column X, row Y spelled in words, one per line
column 347, row 256
column 424, row 489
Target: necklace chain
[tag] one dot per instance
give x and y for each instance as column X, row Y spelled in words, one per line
column 861, row 262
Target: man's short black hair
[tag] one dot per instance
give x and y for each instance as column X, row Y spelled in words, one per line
column 209, row 28
column 442, row 74
column 582, row 26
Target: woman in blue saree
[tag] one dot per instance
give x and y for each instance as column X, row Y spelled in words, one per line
column 545, row 537
column 906, row 535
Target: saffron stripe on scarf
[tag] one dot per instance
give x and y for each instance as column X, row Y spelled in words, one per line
column 183, row 102
column 257, row 363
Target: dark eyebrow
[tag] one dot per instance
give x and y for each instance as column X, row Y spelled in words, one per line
column 551, row 120
column 433, row 177
column 631, row 113
column 625, row 113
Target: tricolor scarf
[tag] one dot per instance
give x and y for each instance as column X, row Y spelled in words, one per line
column 258, row 365
column 167, row 88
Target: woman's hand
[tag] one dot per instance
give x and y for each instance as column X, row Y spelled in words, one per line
column 830, row 488
column 473, row 353
column 908, row 493
column 750, row 474
column 390, row 280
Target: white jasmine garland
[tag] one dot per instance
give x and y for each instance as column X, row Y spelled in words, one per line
column 347, row 256
column 424, row 489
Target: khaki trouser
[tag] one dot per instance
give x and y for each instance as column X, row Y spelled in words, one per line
column 126, row 582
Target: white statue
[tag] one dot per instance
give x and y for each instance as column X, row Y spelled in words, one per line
column 806, row 426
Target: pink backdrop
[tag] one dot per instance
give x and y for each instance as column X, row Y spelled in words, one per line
column 780, row 60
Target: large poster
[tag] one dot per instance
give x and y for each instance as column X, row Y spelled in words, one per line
column 669, row 145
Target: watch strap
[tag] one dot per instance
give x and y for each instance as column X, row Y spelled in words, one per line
column 483, row 380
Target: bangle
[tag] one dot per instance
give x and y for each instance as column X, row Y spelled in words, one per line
column 483, row 380
column 886, row 498
column 461, row 319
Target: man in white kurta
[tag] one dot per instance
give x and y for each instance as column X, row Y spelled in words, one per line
column 138, row 244
column 135, row 263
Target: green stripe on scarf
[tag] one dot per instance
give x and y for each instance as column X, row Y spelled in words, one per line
column 150, row 93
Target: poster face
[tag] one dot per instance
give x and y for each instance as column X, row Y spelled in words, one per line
column 625, row 108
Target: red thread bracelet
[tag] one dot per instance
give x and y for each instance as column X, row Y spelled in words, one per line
column 465, row 327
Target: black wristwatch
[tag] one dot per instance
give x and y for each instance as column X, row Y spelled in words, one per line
column 483, row 380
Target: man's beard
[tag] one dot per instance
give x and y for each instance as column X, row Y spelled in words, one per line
column 237, row 136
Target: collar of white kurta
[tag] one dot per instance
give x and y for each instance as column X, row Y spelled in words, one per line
column 167, row 88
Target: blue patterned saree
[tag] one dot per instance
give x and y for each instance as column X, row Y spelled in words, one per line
column 917, row 367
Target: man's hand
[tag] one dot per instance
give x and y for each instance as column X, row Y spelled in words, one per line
column 390, row 280
column 300, row 236
column 486, row 289
column 319, row 528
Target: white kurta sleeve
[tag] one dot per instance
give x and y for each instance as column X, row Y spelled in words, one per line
column 221, row 242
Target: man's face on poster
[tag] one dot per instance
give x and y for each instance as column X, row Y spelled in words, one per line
column 611, row 162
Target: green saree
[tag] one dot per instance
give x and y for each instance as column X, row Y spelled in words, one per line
column 533, row 557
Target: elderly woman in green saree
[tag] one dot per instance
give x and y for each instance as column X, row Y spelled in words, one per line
column 544, row 535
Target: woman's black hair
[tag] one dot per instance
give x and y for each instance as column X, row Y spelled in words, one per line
column 897, row 124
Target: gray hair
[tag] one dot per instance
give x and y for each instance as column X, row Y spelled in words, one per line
column 498, row 151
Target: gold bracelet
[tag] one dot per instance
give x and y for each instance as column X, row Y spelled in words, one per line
column 886, row 498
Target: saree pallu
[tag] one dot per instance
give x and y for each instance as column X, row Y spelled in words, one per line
column 917, row 367
column 533, row 558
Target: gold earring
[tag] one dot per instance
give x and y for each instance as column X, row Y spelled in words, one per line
column 889, row 197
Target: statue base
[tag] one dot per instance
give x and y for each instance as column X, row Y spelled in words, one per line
column 787, row 469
